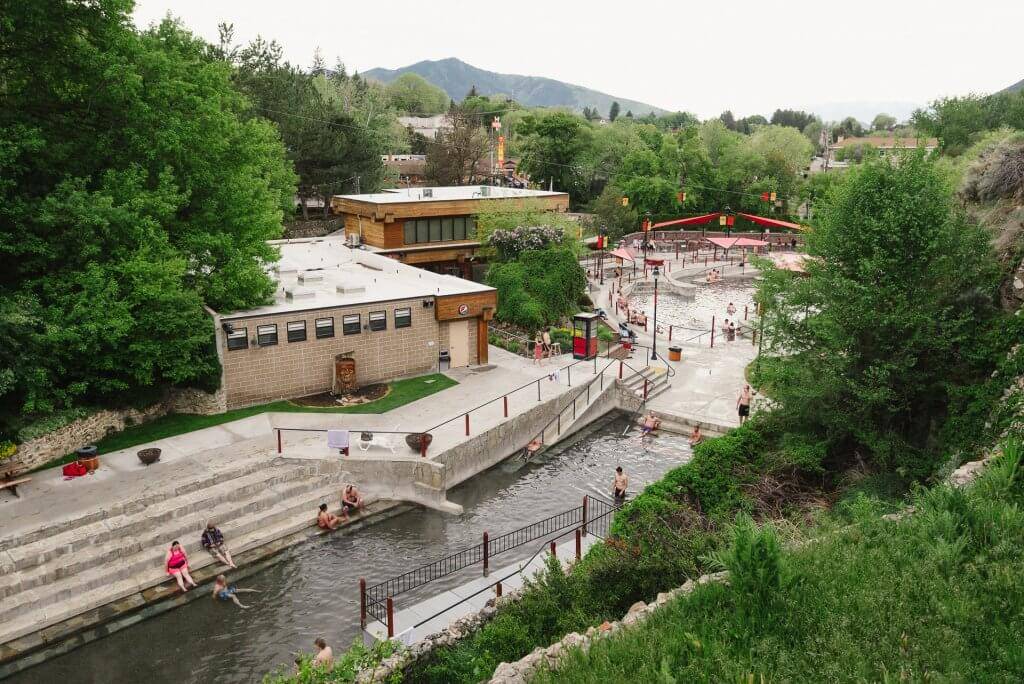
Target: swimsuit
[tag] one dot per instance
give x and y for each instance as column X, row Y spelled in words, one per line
column 226, row 593
column 176, row 562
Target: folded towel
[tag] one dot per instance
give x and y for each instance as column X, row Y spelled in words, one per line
column 337, row 439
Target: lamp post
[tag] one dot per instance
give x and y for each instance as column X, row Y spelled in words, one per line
column 647, row 231
column 654, row 335
column 600, row 255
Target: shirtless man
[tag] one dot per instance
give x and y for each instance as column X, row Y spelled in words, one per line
column 619, row 486
column 743, row 403
column 546, row 337
column 731, row 309
column 533, row 447
column 324, row 656
column 696, row 437
column 351, row 499
column 326, row 520
column 649, row 424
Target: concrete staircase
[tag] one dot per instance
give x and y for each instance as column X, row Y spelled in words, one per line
column 657, row 381
column 59, row 570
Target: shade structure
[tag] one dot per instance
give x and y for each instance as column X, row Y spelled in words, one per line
column 730, row 242
column 771, row 223
column 688, row 221
column 623, row 253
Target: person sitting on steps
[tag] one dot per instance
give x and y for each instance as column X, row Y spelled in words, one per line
column 696, row 437
column 176, row 563
column 533, row 447
column 351, row 499
column 326, row 520
column 213, row 541
column 649, row 424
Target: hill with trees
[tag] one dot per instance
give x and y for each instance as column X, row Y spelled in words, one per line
column 458, row 78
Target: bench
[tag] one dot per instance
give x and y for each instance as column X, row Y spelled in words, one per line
column 13, row 485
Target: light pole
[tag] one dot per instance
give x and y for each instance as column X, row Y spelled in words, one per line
column 600, row 255
column 654, row 336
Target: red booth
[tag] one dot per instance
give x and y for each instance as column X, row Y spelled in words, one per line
column 584, row 335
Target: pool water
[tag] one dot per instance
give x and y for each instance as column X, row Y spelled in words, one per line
column 313, row 590
column 710, row 299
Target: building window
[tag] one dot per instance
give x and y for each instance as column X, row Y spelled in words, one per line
column 421, row 231
column 238, row 339
column 409, row 232
column 324, row 328
column 297, row 331
column 378, row 320
column 443, row 229
column 403, row 318
column 460, row 228
column 470, row 227
column 435, row 230
column 447, row 229
column 266, row 335
column 350, row 324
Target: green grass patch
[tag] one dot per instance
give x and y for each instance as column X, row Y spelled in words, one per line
column 938, row 596
column 402, row 392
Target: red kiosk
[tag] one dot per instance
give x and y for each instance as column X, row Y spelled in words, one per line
column 584, row 335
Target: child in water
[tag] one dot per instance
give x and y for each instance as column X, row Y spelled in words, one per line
column 224, row 592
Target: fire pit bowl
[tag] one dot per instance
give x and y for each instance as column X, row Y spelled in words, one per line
column 149, row 456
column 419, row 440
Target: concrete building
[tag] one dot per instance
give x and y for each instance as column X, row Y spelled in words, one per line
column 335, row 303
column 886, row 144
column 433, row 228
column 427, row 126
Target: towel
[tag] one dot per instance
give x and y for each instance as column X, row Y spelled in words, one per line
column 337, row 439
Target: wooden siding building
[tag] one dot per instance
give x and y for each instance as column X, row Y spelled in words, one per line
column 432, row 228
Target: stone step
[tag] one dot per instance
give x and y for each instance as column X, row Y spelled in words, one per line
column 114, row 577
column 149, row 517
column 231, row 513
column 242, row 465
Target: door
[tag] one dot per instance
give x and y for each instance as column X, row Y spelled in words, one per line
column 458, row 343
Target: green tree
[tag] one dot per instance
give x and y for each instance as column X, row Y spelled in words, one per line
column 883, row 122
column 728, row 120
column 899, row 288
column 413, row 94
column 792, row 118
column 135, row 187
column 958, row 121
column 613, row 111
column 454, row 154
column 554, row 147
column 848, row 128
column 541, row 287
column 613, row 219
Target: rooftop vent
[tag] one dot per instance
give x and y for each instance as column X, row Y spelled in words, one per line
column 311, row 278
column 294, row 293
column 351, row 289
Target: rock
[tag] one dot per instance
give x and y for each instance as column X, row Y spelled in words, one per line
column 662, row 598
column 636, row 607
column 505, row 672
column 605, row 626
column 572, row 639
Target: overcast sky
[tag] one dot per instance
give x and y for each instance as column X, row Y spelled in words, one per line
column 703, row 57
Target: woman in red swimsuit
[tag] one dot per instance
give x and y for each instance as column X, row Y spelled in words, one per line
column 177, row 565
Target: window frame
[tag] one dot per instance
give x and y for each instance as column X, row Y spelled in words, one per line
column 317, row 328
column 407, row 316
column 346, row 323
column 379, row 323
column 409, row 232
column 288, row 331
column 422, row 226
column 237, row 334
column 260, row 336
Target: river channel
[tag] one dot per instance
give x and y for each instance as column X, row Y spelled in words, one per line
column 313, row 590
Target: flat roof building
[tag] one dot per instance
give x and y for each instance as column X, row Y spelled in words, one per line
column 333, row 302
column 434, row 228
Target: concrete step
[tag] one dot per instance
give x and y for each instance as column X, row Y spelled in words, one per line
column 111, row 577
column 234, row 513
column 150, row 517
column 242, row 465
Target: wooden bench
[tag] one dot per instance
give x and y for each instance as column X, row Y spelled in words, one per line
column 13, row 485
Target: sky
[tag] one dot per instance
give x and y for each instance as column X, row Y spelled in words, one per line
column 702, row 57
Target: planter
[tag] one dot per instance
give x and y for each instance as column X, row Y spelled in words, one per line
column 675, row 353
column 89, row 457
column 149, row 456
column 418, row 441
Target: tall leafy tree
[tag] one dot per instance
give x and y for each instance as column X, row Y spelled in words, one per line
column 454, row 155
column 554, row 147
column 413, row 94
column 135, row 187
column 613, row 111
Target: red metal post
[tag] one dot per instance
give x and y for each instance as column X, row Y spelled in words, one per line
column 553, row 552
column 362, row 602
column 583, row 527
column 705, row 260
column 744, row 312
column 497, row 589
column 645, row 323
column 579, row 545
column 391, row 618
column 423, row 447
column 467, row 425
column 558, row 430
column 712, row 332
column 506, row 405
column 487, row 554
column 670, row 332
column 278, row 441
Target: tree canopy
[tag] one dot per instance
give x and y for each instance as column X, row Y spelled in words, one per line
column 412, row 94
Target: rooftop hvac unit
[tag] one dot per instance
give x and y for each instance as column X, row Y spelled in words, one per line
column 352, row 239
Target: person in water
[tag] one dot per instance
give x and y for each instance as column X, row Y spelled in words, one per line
column 324, row 655
column 649, row 424
column 327, row 520
column 176, row 563
column 224, row 592
column 619, row 486
column 696, row 437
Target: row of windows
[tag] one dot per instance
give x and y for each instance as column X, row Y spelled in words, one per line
column 266, row 335
column 440, row 229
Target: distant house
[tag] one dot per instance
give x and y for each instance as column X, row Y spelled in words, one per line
column 410, row 169
column 427, row 126
column 886, row 144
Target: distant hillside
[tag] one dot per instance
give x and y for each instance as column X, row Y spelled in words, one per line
column 456, row 78
column 1019, row 85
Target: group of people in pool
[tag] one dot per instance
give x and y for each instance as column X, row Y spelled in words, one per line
column 212, row 541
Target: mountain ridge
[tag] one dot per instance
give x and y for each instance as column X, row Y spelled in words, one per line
column 456, row 78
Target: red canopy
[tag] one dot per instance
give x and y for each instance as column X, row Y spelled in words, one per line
column 691, row 221
column 654, row 262
column 771, row 223
column 623, row 253
column 730, row 242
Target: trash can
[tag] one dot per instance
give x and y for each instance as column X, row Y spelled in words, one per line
column 88, row 455
column 675, row 353
column 444, row 360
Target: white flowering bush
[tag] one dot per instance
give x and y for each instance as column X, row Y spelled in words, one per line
column 511, row 243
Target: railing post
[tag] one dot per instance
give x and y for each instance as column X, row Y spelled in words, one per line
column 497, row 589
column 588, row 393
column 487, row 554
column 620, row 369
column 583, row 527
column 467, row 425
column 712, row 332
column 569, row 374
column 278, row 441
column 362, row 602
column 579, row 545
column 538, row 389
column 506, row 405
column 391, row 618
column 745, row 312
column 558, row 429
column 574, row 406
column 645, row 389
column 670, row 332
column 554, row 552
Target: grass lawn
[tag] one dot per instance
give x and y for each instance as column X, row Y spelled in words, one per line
column 402, row 392
column 938, row 596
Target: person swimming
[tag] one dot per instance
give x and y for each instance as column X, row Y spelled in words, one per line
column 227, row 592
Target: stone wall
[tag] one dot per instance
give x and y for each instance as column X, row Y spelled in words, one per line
column 96, row 426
